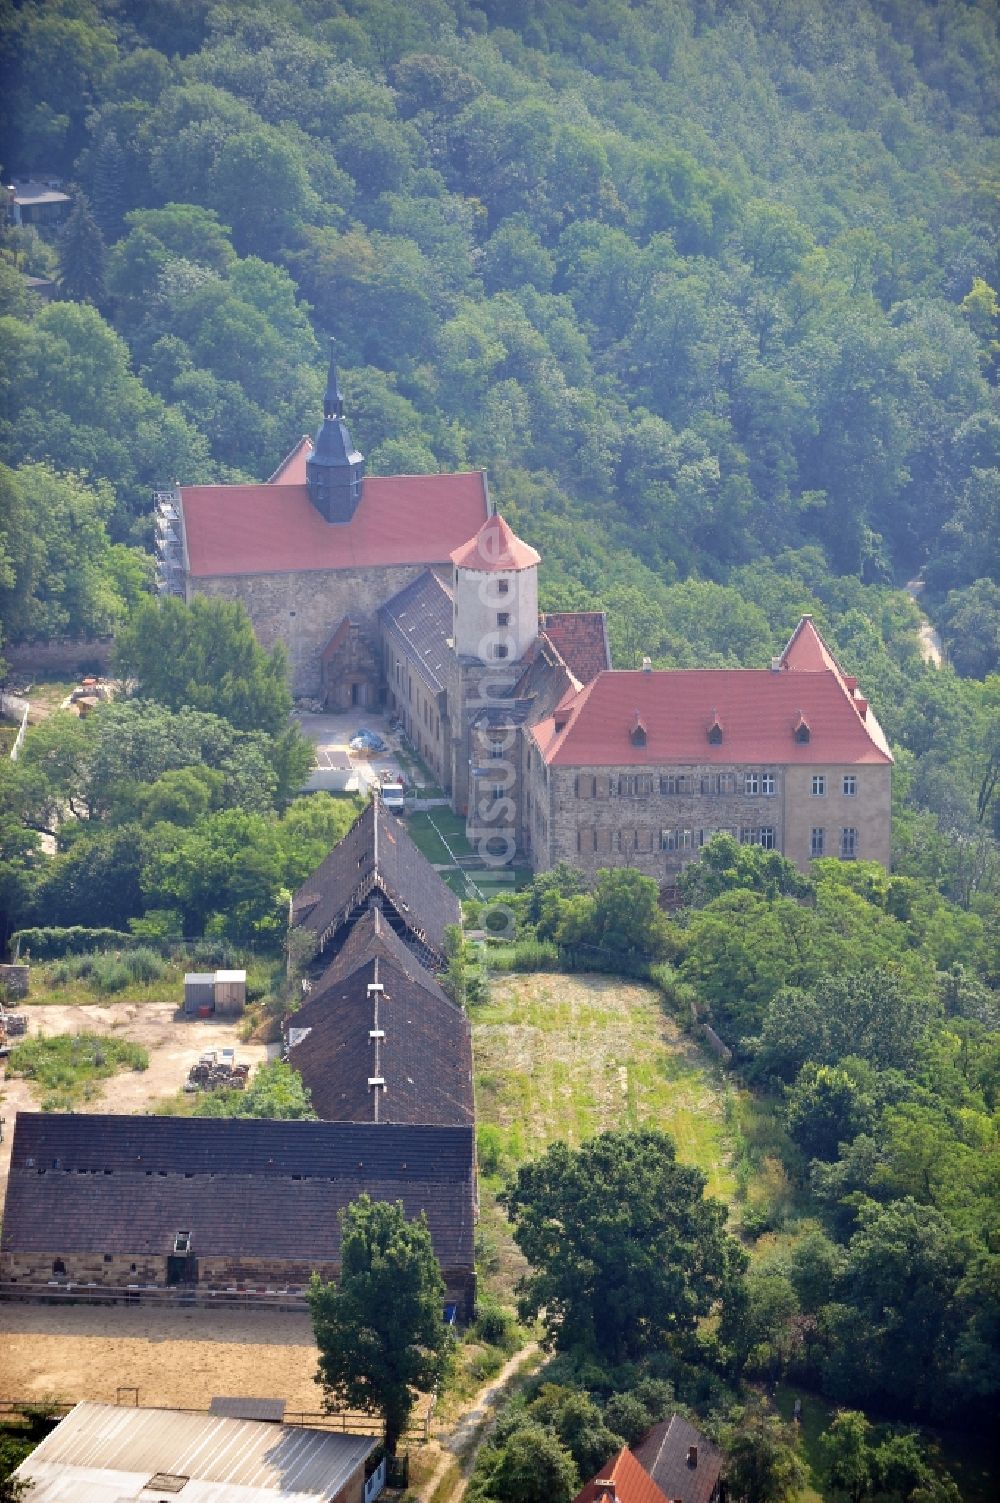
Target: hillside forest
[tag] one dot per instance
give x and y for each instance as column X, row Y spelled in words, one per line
column 711, row 292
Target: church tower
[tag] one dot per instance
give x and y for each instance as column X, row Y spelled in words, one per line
column 335, row 471
column 496, row 595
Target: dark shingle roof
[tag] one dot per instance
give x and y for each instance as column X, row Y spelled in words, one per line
column 581, row 639
column 82, row 1183
column 419, row 620
column 371, row 935
column 424, row 1053
column 377, row 859
column 664, row 1454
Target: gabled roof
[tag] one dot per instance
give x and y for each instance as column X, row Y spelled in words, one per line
column 806, row 652
column 87, row 1183
column 630, row 1483
column 756, row 709
column 495, row 549
column 275, row 528
column 664, row 1454
column 292, row 469
column 377, row 861
column 104, row 1451
column 419, row 620
column 581, row 639
column 371, row 935
column 409, row 1035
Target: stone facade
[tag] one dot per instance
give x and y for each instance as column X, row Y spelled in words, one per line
column 302, row 609
column 657, row 818
column 253, row 1274
column 853, row 799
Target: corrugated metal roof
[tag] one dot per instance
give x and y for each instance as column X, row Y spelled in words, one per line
column 101, row 1453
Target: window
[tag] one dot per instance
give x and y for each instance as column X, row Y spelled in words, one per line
column 848, row 844
column 503, row 586
column 496, row 750
column 500, row 650
column 634, row 785
column 766, row 837
column 816, row 842
column 751, row 782
column 503, row 618
column 677, row 782
column 668, row 840
column 850, row 785
column 818, row 785
column 767, row 783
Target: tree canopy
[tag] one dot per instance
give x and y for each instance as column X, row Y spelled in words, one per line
column 625, row 1249
column 380, row 1331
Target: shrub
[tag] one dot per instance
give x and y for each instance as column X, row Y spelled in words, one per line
column 526, row 955
column 49, row 944
column 496, row 1325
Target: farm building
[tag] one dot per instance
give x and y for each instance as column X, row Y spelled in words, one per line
column 103, row 1453
column 216, row 1204
column 376, row 865
column 378, row 1039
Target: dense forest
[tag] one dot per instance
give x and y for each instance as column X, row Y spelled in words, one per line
column 709, row 292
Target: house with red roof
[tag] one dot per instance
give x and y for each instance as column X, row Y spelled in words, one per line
column 641, row 768
column 410, row 592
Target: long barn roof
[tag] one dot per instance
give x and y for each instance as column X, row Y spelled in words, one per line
column 377, row 855
column 82, row 1183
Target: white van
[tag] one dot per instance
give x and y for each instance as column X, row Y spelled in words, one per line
column 392, row 797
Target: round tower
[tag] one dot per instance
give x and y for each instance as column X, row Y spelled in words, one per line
column 495, row 594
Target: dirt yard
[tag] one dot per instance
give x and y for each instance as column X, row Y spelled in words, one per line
column 173, row 1041
column 175, row 1358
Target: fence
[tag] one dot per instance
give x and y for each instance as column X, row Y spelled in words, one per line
column 14, row 707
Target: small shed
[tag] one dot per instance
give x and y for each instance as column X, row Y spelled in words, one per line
column 199, row 991
column 224, row 992
column 230, row 992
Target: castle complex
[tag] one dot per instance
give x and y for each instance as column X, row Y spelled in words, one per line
column 410, row 592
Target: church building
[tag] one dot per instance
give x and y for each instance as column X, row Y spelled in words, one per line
column 409, row 592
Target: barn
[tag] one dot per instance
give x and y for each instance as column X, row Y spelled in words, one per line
column 203, row 1206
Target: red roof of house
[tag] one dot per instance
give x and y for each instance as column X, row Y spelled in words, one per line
column 757, row 710
column 274, row 528
column 292, row 469
column 632, row 1483
column 495, row 549
column 806, row 651
column 581, row 640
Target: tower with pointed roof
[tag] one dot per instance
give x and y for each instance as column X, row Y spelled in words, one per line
column 495, row 595
column 335, row 470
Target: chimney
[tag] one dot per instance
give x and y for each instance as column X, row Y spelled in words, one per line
column 692, row 1455
column 647, row 665
column 775, row 665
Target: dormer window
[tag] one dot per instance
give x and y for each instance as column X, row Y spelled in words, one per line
column 715, row 730
column 637, row 732
column 801, row 730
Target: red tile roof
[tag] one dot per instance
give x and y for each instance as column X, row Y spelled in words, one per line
column 757, row 709
column 632, row 1483
column 292, row 469
column 806, row 651
column 274, row 528
column 495, row 549
column 581, row 640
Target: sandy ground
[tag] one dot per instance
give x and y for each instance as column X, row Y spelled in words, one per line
column 175, row 1358
column 173, row 1041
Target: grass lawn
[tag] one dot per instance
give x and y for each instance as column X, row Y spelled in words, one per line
column 569, row 1056
column 69, row 1068
column 426, row 829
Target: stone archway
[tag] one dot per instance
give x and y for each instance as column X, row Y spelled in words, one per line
column 351, row 675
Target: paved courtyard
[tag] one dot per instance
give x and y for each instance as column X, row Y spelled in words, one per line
column 340, row 770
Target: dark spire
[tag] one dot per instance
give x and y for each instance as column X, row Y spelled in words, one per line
column 335, row 470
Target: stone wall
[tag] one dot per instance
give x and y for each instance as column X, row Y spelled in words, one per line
column 118, row 1272
column 657, row 818
column 304, row 608
column 868, row 811
column 69, row 655
column 421, row 709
